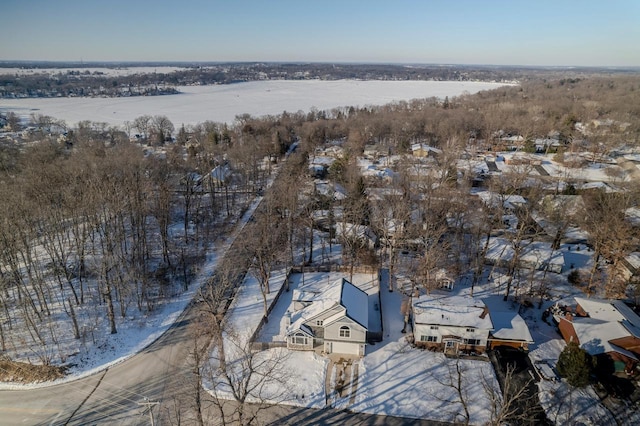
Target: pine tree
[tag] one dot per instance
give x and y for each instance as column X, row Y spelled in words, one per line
column 575, row 364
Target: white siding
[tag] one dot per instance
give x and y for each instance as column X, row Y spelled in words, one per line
column 345, row 348
column 444, row 330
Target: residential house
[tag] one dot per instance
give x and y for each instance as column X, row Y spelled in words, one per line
column 219, row 176
column 356, row 234
column 451, row 324
column 509, row 329
column 604, row 328
column 331, row 318
column 422, row 150
column 537, row 255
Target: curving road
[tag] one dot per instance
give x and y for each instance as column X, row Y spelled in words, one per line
column 155, row 386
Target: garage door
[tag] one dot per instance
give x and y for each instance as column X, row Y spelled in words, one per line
column 345, row 348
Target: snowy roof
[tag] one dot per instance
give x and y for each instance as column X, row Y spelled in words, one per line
column 425, row 147
column 537, row 254
column 603, row 310
column 632, row 214
column 321, row 160
column 451, row 310
column 220, row 173
column 493, row 199
column 322, row 297
column 353, row 230
column 509, row 325
column 594, row 336
column 608, row 320
column 357, row 303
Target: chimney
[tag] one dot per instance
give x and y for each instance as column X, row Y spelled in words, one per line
column 484, row 313
column 568, row 316
column 287, row 319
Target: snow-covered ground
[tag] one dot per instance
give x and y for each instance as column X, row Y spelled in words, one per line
column 562, row 403
column 399, row 380
column 132, row 336
column 107, row 349
column 222, row 103
column 393, row 378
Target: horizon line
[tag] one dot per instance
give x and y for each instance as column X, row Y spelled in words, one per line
column 4, row 62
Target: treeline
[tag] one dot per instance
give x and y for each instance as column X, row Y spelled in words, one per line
column 85, row 83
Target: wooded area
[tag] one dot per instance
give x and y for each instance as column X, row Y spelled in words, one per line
column 97, row 220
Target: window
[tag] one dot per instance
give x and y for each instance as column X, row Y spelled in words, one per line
column 300, row 339
column 472, row 342
column 345, row 331
column 471, row 330
column 434, row 327
column 428, row 338
column 318, row 322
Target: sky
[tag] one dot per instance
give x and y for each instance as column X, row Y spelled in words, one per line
column 498, row 32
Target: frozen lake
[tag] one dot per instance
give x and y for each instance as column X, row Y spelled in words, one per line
column 222, row 103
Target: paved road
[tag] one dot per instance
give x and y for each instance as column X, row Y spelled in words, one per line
column 160, row 378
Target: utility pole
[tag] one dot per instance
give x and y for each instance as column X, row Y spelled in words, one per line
column 149, row 406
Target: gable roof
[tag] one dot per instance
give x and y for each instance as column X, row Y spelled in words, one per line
column 608, row 320
column 455, row 311
column 509, row 325
column 322, row 297
column 356, row 301
column 608, row 310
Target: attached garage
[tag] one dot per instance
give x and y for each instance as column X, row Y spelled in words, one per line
column 347, row 348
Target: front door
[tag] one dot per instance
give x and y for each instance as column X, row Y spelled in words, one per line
column 451, row 346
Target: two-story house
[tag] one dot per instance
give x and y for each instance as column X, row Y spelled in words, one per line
column 451, row 323
column 331, row 318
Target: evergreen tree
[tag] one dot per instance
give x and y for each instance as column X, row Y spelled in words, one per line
column 575, row 364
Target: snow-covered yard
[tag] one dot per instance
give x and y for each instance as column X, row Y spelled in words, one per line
column 399, row 380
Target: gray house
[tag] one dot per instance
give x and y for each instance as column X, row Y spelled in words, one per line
column 329, row 318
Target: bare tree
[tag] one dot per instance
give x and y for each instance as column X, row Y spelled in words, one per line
column 506, row 406
column 611, row 235
column 244, row 383
column 143, row 124
column 455, row 381
column 266, row 242
column 162, row 127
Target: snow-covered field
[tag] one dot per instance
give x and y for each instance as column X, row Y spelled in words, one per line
column 222, row 103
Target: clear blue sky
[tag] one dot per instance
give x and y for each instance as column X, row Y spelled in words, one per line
column 533, row 32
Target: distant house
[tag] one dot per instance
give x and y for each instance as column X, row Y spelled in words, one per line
column 451, row 324
column 219, row 176
column 423, row 150
column 319, row 166
column 604, row 328
column 332, row 318
column 538, row 256
column 354, row 232
column 522, row 159
column 546, row 144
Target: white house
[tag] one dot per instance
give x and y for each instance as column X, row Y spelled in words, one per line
column 450, row 323
column 332, row 318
